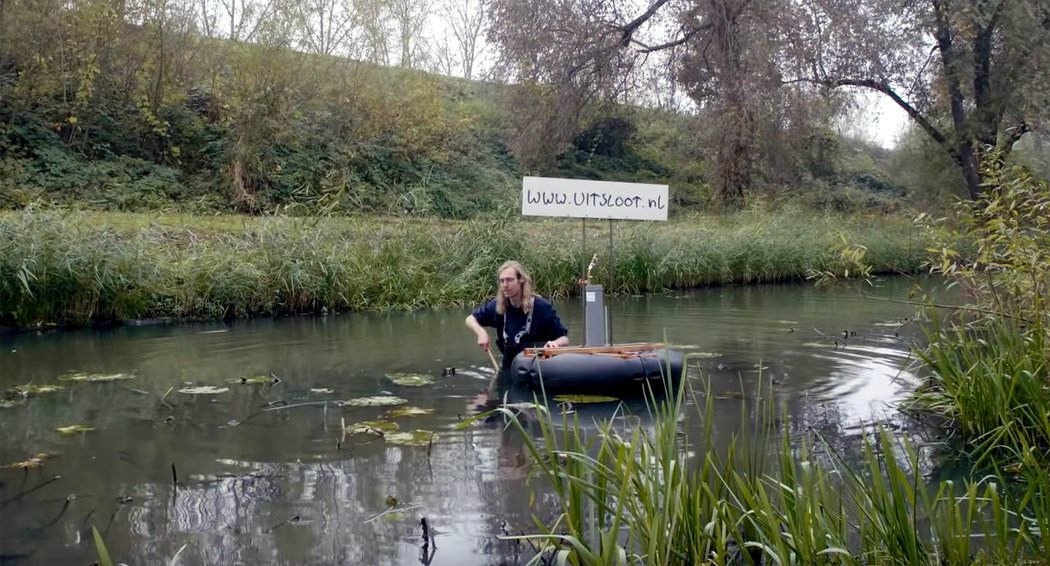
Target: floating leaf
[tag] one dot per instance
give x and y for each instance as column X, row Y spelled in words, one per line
column 702, row 355
column 410, row 379
column 74, row 429
column 255, row 380
column 35, row 462
column 584, row 399
column 372, row 427
column 322, row 391
column 96, row 377
column 204, row 390
column 31, row 389
column 378, row 401
column 414, row 438
column 408, row 412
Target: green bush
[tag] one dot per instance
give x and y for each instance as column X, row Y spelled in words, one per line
column 988, row 359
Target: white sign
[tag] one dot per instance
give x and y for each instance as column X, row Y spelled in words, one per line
column 574, row 198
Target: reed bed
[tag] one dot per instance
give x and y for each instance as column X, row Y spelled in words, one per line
column 70, row 267
column 653, row 495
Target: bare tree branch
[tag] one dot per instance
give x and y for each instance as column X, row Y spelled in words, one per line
column 627, row 30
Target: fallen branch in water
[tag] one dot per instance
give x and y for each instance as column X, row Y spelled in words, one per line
column 284, row 407
column 391, row 509
column 18, row 496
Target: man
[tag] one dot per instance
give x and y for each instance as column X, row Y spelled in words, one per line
column 522, row 318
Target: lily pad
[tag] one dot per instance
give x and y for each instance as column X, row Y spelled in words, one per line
column 580, row 399
column 322, row 391
column 408, row 412
column 74, row 429
column 204, row 390
column 414, row 438
column 35, row 462
column 372, row 427
column 96, row 377
column 410, row 379
column 377, row 401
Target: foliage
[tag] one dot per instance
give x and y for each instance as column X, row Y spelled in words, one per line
column 990, row 377
column 923, row 167
column 650, row 494
column 148, row 106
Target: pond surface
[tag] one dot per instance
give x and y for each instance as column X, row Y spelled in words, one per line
column 265, row 477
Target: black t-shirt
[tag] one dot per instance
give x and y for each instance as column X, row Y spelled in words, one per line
column 517, row 330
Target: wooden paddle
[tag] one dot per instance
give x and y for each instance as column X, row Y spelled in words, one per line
column 495, row 367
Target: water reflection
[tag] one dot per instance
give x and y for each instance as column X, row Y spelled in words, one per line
column 251, row 460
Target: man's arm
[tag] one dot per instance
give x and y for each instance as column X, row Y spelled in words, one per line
column 479, row 331
column 555, row 327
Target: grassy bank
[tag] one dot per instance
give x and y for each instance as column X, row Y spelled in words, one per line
column 68, row 267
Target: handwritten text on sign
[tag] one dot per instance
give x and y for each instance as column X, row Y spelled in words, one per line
column 545, row 196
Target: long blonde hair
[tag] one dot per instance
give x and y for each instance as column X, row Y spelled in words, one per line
column 527, row 292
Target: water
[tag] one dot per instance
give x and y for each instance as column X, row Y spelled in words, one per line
column 280, row 486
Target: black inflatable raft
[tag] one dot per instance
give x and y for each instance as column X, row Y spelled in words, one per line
column 598, row 369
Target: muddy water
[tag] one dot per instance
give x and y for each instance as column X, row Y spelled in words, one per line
column 265, row 477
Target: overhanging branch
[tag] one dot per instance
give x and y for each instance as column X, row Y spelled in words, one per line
column 884, row 88
column 643, row 48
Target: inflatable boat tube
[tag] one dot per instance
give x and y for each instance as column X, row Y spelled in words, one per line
column 598, row 370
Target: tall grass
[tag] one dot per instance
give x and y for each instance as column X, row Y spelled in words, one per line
column 61, row 266
column 651, row 495
column 990, row 387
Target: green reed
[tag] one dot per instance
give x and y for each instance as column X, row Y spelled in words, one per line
column 648, row 494
column 990, row 387
column 68, row 267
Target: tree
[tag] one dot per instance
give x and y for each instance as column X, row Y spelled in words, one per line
column 465, row 20
column 972, row 74
column 409, row 18
column 245, row 16
column 717, row 50
column 565, row 56
column 720, row 64
column 375, row 23
column 325, row 25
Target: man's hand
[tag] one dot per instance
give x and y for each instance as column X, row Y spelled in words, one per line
column 557, row 342
column 479, row 331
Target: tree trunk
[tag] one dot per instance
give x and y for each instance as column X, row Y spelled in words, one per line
column 733, row 168
column 733, row 165
column 971, row 169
